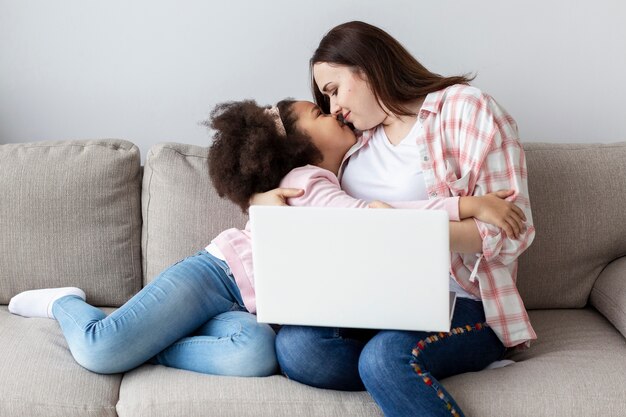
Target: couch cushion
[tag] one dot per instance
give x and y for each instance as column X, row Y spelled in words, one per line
column 579, row 210
column 608, row 295
column 566, row 372
column 154, row 391
column 575, row 368
column 71, row 217
column 182, row 212
column 39, row 377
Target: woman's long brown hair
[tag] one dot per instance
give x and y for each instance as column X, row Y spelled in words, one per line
column 394, row 75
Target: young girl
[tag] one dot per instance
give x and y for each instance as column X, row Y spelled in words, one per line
column 195, row 314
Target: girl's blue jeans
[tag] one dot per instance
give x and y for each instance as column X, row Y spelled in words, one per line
column 401, row 370
column 189, row 317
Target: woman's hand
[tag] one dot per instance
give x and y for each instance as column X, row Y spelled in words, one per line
column 378, row 204
column 492, row 208
column 275, row 197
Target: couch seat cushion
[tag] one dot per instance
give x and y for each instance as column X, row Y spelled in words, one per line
column 39, row 377
column 567, row 371
column 157, row 391
column 577, row 367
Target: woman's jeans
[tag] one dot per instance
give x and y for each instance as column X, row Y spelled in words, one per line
column 401, row 370
column 189, row 317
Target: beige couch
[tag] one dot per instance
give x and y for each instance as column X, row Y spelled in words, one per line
column 85, row 214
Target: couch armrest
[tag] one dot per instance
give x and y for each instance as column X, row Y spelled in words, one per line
column 608, row 294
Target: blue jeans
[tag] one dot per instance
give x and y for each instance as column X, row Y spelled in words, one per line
column 401, row 370
column 189, row 317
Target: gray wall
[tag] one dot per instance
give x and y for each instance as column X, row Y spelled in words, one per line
column 149, row 71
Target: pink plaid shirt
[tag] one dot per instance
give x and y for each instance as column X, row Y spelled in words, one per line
column 470, row 146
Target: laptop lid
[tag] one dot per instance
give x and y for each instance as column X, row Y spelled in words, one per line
column 361, row 268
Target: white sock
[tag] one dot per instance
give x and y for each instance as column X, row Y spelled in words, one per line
column 38, row 303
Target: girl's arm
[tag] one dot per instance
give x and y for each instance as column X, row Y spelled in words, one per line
column 280, row 196
column 322, row 189
column 275, row 197
column 493, row 209
column 316, row 187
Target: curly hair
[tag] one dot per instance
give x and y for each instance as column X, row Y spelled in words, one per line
column 248, row 155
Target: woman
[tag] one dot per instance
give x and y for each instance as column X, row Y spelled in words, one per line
column 424, row 136
column 196, row 314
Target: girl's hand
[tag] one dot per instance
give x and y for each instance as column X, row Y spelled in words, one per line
column 275, row 197
column 378, row 204
column 494, row 209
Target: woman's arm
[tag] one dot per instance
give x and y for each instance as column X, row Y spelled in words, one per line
column 464, row 234
column 321, row 191
column 496, row 161
column 464, row 237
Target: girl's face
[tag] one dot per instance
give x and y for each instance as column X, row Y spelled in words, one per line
column 330, row 136
column 350, row 95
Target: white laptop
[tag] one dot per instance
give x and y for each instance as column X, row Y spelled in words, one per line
column 360, row 268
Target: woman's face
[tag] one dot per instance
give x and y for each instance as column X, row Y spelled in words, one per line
column 350, row 95
column 332, row 137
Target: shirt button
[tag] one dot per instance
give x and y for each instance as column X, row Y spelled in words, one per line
column 425, row 158
column 433, row 194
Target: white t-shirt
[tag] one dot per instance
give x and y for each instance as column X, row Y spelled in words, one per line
column 386, row 172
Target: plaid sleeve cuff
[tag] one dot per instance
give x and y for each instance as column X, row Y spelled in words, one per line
column 492, row 239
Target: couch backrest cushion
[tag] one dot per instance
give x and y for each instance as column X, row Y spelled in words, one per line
column 70, row 216
column 578, row 199
column 182, row 212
